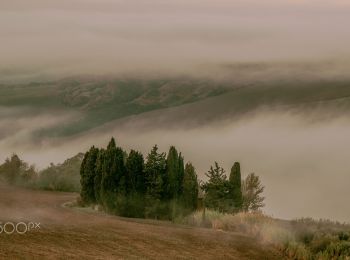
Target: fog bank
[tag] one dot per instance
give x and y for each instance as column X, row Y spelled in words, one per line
column 303, row 164
column 43, row 39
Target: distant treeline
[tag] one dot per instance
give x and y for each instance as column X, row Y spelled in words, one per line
column 58, row 177
column 161, row 186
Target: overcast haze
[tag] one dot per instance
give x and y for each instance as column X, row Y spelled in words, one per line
column 297, row 157
column 50, row 38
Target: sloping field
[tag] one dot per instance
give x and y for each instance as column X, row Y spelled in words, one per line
column 68, row 233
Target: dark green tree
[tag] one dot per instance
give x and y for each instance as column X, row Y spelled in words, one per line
column 87, row 172
column 155, row 168
column 120, row 183
column 235, row 186
column 98, row 175
column 111, row 144
column 135, row 172
column 113, row 171
column 217, row 189
column 172, row 172
column 181, row 174
column 135, row 184
column 190, row 188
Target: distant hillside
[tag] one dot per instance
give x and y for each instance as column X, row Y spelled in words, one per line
column 95, row 101
column 99, row 100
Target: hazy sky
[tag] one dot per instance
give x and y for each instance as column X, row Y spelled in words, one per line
column 47, row 37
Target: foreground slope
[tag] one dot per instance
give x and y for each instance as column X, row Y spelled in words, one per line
column 76, row 234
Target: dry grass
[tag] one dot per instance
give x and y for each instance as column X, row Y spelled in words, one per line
column 302, row 239
column 72, row 233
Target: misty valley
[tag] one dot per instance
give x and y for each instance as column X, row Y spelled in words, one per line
column 175, row 129
column 163, row 186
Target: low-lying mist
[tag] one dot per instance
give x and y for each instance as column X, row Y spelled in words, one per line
column 45, row 39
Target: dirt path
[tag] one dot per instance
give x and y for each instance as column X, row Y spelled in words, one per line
column 67, row 233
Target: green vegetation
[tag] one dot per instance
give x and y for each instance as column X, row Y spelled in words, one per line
column 251, row 193
column 125, row 185
column 161, row 187
column 221, row 194
column 16, row 172
column 60, row 177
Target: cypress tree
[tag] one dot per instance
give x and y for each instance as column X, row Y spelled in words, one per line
column 180, row 175
column 111, row 144
column 190, row 188
column 155, row 168
column 119, row 171
column 235, row 186
column 88, row 176
column 120, row 183
column 109, row 181
column 135, row 172
column 135, row 184
column 82, row 173
column 172, row 171
column 98, row 175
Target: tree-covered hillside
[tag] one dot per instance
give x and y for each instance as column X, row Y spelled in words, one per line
column 93, row 101
column 98, row 100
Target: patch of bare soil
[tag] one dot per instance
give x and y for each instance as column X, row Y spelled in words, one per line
column 68, row 233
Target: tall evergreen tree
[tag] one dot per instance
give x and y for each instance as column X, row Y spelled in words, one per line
column 111, row 144
column 181, row 174
column 113, row 171
column 135, row 172
column 82, row 171
column 135, row 185
column 190, row 188
column 88, row 176
column 98, row 174
column 155, row 168
column 235, row 186
column 172, row 172
column 120, row 203
column 217, row 189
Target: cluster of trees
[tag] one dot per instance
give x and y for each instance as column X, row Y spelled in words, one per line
column 161, row 186
column 14, row 171
column 60, row 177
column 232, row 194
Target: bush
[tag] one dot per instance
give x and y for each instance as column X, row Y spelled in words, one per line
column 301, row 239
